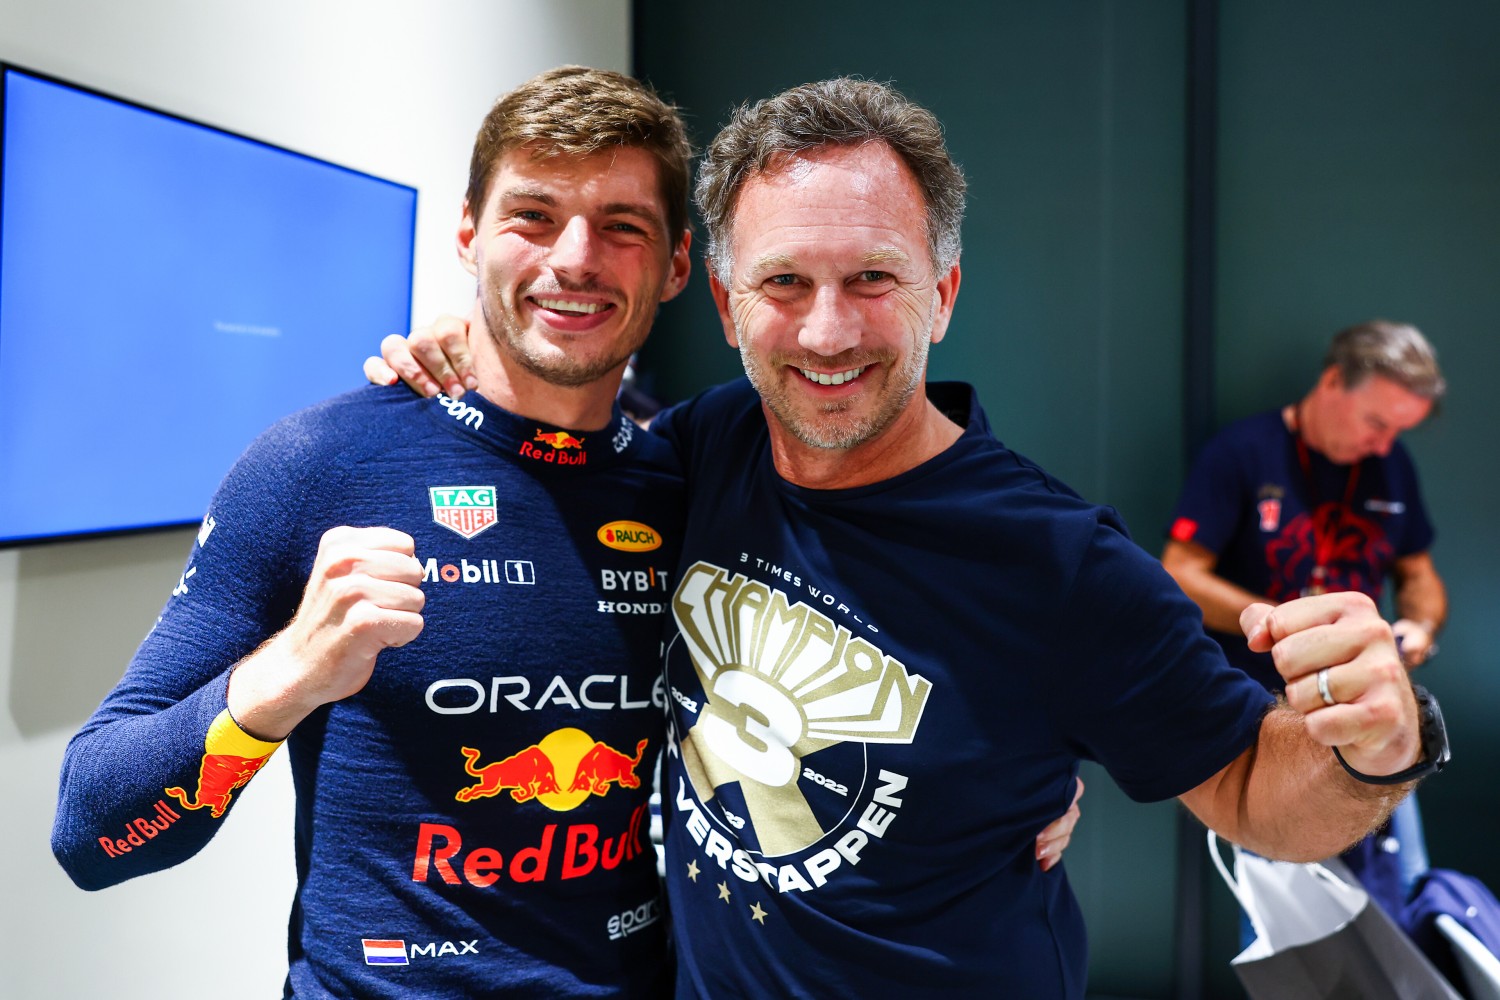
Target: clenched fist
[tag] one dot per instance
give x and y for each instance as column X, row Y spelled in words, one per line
column 363, row 596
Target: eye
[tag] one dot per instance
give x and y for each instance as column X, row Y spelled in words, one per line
column 784, row 280
column 530, row 215
column 625, row 227
column 874, row 276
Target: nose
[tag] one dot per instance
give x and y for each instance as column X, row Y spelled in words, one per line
column 575, row 254
column 831, row 324
column 1383, row 443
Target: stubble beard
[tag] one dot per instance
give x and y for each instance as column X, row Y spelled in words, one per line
column 834, row 427
column 555, row 368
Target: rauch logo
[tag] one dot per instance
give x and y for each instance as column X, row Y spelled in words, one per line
column 629, row 536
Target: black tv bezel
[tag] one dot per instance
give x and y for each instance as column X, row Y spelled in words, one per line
column 6, row 68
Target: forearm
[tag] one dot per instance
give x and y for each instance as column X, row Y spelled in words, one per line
column 1424, row 600
column 1288, row 798
column 264, row 696
column 140, row 791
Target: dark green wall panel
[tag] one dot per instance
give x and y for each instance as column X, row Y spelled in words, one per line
column 1361, row 177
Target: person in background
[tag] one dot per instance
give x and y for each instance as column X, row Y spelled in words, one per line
column 893, row 639
column 1320, row 496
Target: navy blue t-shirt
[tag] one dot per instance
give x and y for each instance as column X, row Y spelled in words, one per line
column 879, row 696
column 1249, row 500
column 474, row 822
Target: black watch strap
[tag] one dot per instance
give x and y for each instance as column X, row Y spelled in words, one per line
column 1435, row 752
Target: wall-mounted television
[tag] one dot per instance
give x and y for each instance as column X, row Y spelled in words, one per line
column 167, row 291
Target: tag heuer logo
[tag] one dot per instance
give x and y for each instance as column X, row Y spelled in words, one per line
column 467, row 510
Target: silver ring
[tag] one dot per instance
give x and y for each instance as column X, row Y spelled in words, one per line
column 1323, row 687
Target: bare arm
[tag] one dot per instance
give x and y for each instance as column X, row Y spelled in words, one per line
column 1421, row 604
column 1287, row 797
column 1222, row 602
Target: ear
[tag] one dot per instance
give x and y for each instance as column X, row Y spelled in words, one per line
column 1332, row 380
column 679, row 267
column 947, row 292
column 464, row 241
column 721, row 302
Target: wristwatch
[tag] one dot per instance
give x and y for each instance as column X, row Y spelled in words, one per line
column 1435, row 752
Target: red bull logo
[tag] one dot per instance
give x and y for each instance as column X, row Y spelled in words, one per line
column 559, row 439
column 561, row 448
column 139, row 830
column 230, row 759
column 604, row 764
column 567, row 853
column 629, row 536
column 560, row 772
column 525, row 774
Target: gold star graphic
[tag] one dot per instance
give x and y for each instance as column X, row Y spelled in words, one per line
column 693, row 870
column 757, row 914
column 724, row 891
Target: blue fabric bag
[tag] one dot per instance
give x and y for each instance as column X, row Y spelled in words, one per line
column 1464, row 898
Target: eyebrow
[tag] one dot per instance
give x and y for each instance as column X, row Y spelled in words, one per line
column 644, row 212
column 786, row 262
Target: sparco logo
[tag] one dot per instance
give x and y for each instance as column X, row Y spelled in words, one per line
column 462, row 412
column 631, row 921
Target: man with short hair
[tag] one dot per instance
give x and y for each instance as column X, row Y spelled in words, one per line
column 895, row 638
column 1319, row 496
column 472, row 812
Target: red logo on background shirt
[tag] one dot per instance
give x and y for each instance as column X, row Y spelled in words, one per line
column 1270, row 514
column 1183, row 529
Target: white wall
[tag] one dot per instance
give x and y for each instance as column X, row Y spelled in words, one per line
column 388, row 87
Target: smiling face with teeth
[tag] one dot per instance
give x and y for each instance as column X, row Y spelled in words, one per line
column 833, row 301
column 572, row 256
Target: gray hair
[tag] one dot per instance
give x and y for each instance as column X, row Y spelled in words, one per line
column 840, row 112
column 1396, row 351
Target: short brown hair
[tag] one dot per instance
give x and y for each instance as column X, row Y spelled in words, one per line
column 843, row 111
column 1396, row 351
column 578, row 111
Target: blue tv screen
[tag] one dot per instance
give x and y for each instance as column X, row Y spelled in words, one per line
column 167, row 291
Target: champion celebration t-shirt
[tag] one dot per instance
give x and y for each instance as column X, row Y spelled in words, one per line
column 879, row 696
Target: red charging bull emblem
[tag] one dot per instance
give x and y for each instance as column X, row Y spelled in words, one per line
column 230, row 759
column 560, row 772
column 558, row 439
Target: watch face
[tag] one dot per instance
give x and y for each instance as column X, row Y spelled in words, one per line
column 1435, row 750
